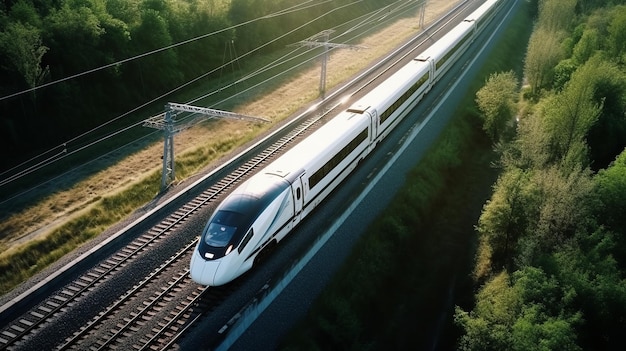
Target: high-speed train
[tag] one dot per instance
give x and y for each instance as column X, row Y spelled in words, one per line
column 265, row 208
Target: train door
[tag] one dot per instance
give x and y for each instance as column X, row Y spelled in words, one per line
column 298, row 198
column 373, row 126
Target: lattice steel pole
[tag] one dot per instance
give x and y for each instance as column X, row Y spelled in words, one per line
column 169, row 172
column 170, row 126
column 313, row 43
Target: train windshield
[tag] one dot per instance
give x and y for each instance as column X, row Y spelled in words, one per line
column 222, row 228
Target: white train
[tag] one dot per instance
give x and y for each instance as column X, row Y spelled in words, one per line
column 265, row 208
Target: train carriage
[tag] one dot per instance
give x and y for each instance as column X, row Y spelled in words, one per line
column 265, row 208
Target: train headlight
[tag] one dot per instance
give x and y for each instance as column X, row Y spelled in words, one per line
column 229, row 249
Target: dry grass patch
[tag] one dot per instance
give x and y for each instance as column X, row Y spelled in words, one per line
column 195, row 148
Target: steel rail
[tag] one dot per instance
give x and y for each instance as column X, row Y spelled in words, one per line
column 23, row 325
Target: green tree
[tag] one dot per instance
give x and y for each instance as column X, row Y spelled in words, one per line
column 73, row 34
column 587, row 46
column 488, row 326
column 127, row 11
column 496, row 101
column 504, row 218
column 23, row 47
column 570, row 114
column 607, row 136
column 531, row 148
column 588, row 267
column 556, row 15
column 24, row 11
column 534, row 331
column 617, row 33
column 611, row 191
column 153, row 33
column 528, row 310
column 563, row 72
column 544, row 52
column 561, row 209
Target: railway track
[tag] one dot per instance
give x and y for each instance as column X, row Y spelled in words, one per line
column 19, row 329
column 157, row 311
column 153, row 324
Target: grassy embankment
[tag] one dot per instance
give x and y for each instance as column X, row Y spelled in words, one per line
column 398, row 287
column 80, row 222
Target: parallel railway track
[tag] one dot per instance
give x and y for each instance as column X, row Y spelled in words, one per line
column 19, row 329
column 155, row 312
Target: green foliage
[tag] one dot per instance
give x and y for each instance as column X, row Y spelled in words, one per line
column 569, row 116
column 617, row 33
column 533, row 213
column 488, row 326
column 563, row 72
column 611, row 193
column 607, row 137
column 23, row 11
column 504, row 217
column 23, row 48
column 611, row 188
column 153, row 33
column 525, row 311
column 496, row 100
column 559, row 223
column 587, row 46
column 598, row 288
column 544, row 52
column 556, row 15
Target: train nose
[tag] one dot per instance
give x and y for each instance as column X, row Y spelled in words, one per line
column 202, row 271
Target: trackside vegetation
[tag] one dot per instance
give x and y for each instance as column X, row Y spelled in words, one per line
column 23, row 261
column 550, row 267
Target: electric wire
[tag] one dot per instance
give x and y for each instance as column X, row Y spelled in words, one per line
column 276, row 14
column 368, row 18
column 64, row 144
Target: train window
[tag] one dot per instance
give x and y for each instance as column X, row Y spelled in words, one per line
column 246, row 239
column 452, row 51
column 298, row 194
column 335, row 160
column 218, row 235
column 404, row 97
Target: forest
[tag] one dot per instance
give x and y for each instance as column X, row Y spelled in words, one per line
column 551, row 261
column 130, row 49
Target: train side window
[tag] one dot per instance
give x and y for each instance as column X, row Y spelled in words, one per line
column 246, row 239
column 298, row 193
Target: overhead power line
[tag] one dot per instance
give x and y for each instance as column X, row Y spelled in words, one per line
column 100, row 68
column 64, row 150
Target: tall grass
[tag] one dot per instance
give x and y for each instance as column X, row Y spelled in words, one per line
column 22, row 262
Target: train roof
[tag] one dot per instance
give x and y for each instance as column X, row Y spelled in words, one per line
column 438, row 50
column 387, row 92
column 478, row 14
column 262, row 186
column 318, row 146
